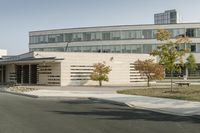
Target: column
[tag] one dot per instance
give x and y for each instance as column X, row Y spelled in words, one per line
column 22, row 75
column 29, row 67
column 1, row 74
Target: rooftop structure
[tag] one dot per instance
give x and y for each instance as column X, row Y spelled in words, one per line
column 3, row 52
column 167, row 17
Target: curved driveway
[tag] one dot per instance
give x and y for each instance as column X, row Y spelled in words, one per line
column 28, row 115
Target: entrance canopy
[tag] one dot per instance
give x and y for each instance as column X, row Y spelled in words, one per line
column 31, row 60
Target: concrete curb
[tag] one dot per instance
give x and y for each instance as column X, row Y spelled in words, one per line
column 43, row 97
column 138, row 107
column 158, row 110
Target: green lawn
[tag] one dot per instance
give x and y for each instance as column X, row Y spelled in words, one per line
column 191, row 93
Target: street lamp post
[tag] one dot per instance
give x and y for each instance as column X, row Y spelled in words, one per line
column 66, row 47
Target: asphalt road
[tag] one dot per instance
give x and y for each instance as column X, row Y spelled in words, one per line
column 20, row 114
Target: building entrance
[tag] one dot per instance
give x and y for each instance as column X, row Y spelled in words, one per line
column 26, row 74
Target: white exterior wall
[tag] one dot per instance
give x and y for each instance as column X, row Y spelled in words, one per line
column 119, row 63
column 49, row 77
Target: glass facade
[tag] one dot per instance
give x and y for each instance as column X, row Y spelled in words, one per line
column 128, row 48
column 125, row 48
column 110, row 35
column 167, row 17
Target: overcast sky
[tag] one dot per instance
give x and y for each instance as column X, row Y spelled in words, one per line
column 18, row 17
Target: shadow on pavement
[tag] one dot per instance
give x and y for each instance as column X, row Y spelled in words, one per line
column 114, row 112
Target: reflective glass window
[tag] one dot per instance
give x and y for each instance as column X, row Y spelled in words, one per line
column 197, row 32
column 106, row 35
column 147, row 34
column 147, row 48
column 115, row 35
column 177, row 32
column 191, row 47
column 87, row 36
column 190, row 33
column 96, row 36
column 68, row 37
column 77, row 36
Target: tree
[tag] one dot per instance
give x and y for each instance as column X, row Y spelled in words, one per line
column 190, row 63
column 100, row 73
column 169, row 53
column 153, row 71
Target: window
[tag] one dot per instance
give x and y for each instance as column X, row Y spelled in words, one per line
column 191, row 47
column 177, row 32
column 86, row 49
column 58, row 49
column 190, row 32
column 197, row 32
column 77, row 36
column 126, row 48
column 136, row 48
column 52, row 39
column 132, row 48
column 115, row 49
column 147, row 34
column 87, row 36
column 106, row 49
column 137, row 34
column 154, row 32
column 68, row 37
column 96, row 36
column 96, row 49
column 106, row 35
column 55, row 38
column 74, row 49
column 115, row 35
column 198, row 47
column 59, row 38
column 147, row 48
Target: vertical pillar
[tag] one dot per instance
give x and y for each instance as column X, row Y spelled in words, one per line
column 22, row 75
column 29, row 77
column 2, row 74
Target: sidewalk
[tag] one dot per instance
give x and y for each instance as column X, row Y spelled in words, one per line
column 164, row 105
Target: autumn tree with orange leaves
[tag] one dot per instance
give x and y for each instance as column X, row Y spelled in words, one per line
column 149, row 69
column 100, row 73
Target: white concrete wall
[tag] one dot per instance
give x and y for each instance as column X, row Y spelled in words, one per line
column 120, row 64
column 47, row 76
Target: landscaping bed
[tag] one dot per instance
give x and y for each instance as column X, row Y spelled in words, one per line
column 20, row 89
column 191, row 93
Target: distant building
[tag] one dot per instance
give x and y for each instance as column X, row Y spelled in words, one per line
column 168, row 17
column 3, row 52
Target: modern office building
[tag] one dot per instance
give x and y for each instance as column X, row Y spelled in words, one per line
column 66, row 56
column 167, row 17
column 135, row 39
